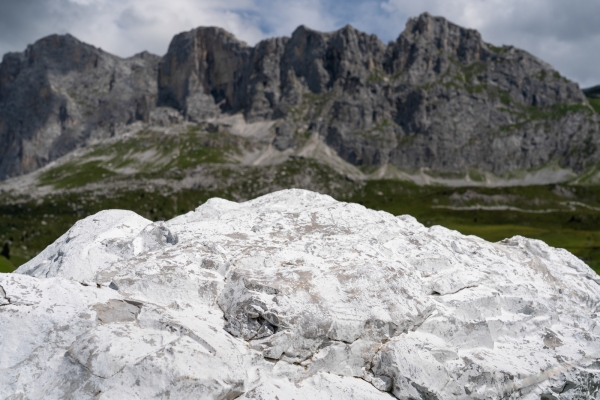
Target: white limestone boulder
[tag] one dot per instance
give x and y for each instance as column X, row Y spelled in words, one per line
column 295, row 295
column 89, row 246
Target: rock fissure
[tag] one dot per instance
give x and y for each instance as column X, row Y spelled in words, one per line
column 4, row 299
column 85, row 367
column 454, row 292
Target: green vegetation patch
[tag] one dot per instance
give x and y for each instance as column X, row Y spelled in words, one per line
column 377, row 77
column 497, row 49
column 147, row 153
column 554, row 112
column 473, row 70
column 151, row 151
column 5, row 265
column 73, row 174
column 528, row 114
column 595, row 103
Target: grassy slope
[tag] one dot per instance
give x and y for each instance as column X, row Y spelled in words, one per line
column 149, row 153
column 6, row 265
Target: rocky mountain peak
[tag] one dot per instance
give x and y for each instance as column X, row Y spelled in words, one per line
column 60, row 92
column 432, row 42
column 54, row 48
column 48, row 54
column 438, row 97
column 444, row 34
column 199, row 71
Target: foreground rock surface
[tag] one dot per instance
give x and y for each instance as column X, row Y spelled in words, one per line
column 294, row 296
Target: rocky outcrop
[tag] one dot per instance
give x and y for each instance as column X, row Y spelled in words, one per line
column 204, row 67
column 438, row 97
column 61, row 93
column 295, row 295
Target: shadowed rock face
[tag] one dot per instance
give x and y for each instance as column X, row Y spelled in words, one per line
column 203, row 70
column 60, row 93
column 438, row 97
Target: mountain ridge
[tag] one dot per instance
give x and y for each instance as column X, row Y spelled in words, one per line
column 438, row 97
column 61, row 92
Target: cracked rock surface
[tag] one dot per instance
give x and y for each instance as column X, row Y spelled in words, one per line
column 296, row 296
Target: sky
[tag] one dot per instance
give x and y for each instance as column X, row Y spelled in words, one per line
column 565, row 34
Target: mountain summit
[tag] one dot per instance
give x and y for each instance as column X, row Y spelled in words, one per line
column 438, row 97
column 61, row 93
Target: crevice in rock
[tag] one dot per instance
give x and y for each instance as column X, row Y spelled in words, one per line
column 199, row 340
column 383, row 383
column 418, row 324
column 4, row 299
column 436, row 293
column 464, row 288
column 76, row 361
column 568, row 386
column 260, row 288
column 238, row 396
column 138, row 304
column 252, row 321
column 184, row 331
column 91, row 284
column 425, row 393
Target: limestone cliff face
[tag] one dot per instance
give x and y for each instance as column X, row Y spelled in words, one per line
column 438, row 97
column 201, row 71
column 60, row 93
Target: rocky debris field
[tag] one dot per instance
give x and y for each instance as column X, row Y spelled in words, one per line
column 294, row 295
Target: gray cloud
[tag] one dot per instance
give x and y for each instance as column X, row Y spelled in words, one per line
column 20, row 23
column 565, row 34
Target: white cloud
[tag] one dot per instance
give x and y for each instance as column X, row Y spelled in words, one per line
column 126, row 27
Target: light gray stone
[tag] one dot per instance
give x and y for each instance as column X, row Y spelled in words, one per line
column 326, row 300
